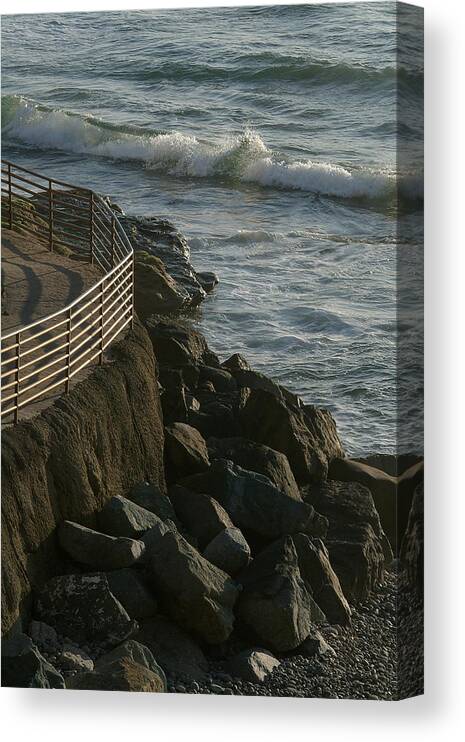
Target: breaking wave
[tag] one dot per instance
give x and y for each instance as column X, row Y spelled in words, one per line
column 244, row 158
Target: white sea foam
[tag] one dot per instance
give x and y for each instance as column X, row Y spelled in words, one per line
column 245, row 158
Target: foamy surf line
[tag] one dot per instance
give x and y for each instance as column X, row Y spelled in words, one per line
column 244, row 158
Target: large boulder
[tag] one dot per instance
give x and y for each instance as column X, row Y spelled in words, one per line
column 320, row 578
column 357, row 558
column 275, row 603
column 201, row 515
column 307, row 436
column 195, row 593
column 83, row 608
column 135, row 651
column 121, row 517
column 254, row 503
column 358, row 548
column 228, row 551
column 392, row 493
column 174, row 650
column 221, row 379
column 185, row 451
column 129, row 587
column 412, row 551
column 176, row 344
column 97, row 549
column 123, row 674
column 23, row 666
column 253, row 665
column 150, row 497
column 258, row 458
column 155, row 290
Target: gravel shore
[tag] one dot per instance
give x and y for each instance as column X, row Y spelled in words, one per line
column 364, row 664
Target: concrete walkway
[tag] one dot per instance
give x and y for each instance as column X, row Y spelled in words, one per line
column 37, row 282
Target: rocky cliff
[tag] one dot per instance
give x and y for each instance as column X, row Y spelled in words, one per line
column 64, row 464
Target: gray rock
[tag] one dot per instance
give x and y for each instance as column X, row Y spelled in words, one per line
column 123, row 674
column 176, row 652
column 357, row 546
column 201, row 515
column 229, row 551
column 254, row 503
column 130, row 589
column 253, row 665
column 258, row 458
column 185, row 451
column 221, row 379
column 135, row 651
column 307, row 436
column 83, row 608
column 315, row 646
column 148, row 496
column 195, row 593
column 42, row 634
column 275, row 603
column 74, row 658
column 98, row 550
column 23, row 666
column 121, row 517
column 320, row 578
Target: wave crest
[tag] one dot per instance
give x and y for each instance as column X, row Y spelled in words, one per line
column 244, row 158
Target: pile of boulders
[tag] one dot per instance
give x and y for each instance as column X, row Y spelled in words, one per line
column 252, row 549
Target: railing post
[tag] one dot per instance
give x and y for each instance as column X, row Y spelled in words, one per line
column 18, row 358
column 68, row 364
column 91, row 227
column 102, row 292
column 10, row 205
column 112, row 241
column 50, row 215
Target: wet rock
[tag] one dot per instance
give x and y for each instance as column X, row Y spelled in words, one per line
column 123, row 674
column 208, row 280
column 201, row 514
column 149, row 496
column 236, row 363
column 136, row 652
column 83, row 608
column 307, row 437
column 195, row 593
column 275, row 603
column 320, row 578
column 160, row 238
column 23, row 666
column 254, row 503
column 97, row 549
column 229, row 551
column 130, row 589
column 185, row 451
column 253, row 665
column 121, row 517
column 258, row 458
column 174, row 650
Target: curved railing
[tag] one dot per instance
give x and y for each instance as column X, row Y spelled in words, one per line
column 43, row 356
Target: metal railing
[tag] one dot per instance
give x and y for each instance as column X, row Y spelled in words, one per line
column 45, row 355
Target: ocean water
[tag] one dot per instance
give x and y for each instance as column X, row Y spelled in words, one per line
column 268, row 135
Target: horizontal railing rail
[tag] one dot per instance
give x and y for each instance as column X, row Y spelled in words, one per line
column 45, row 355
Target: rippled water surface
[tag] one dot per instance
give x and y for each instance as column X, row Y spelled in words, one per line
column 268, row 135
